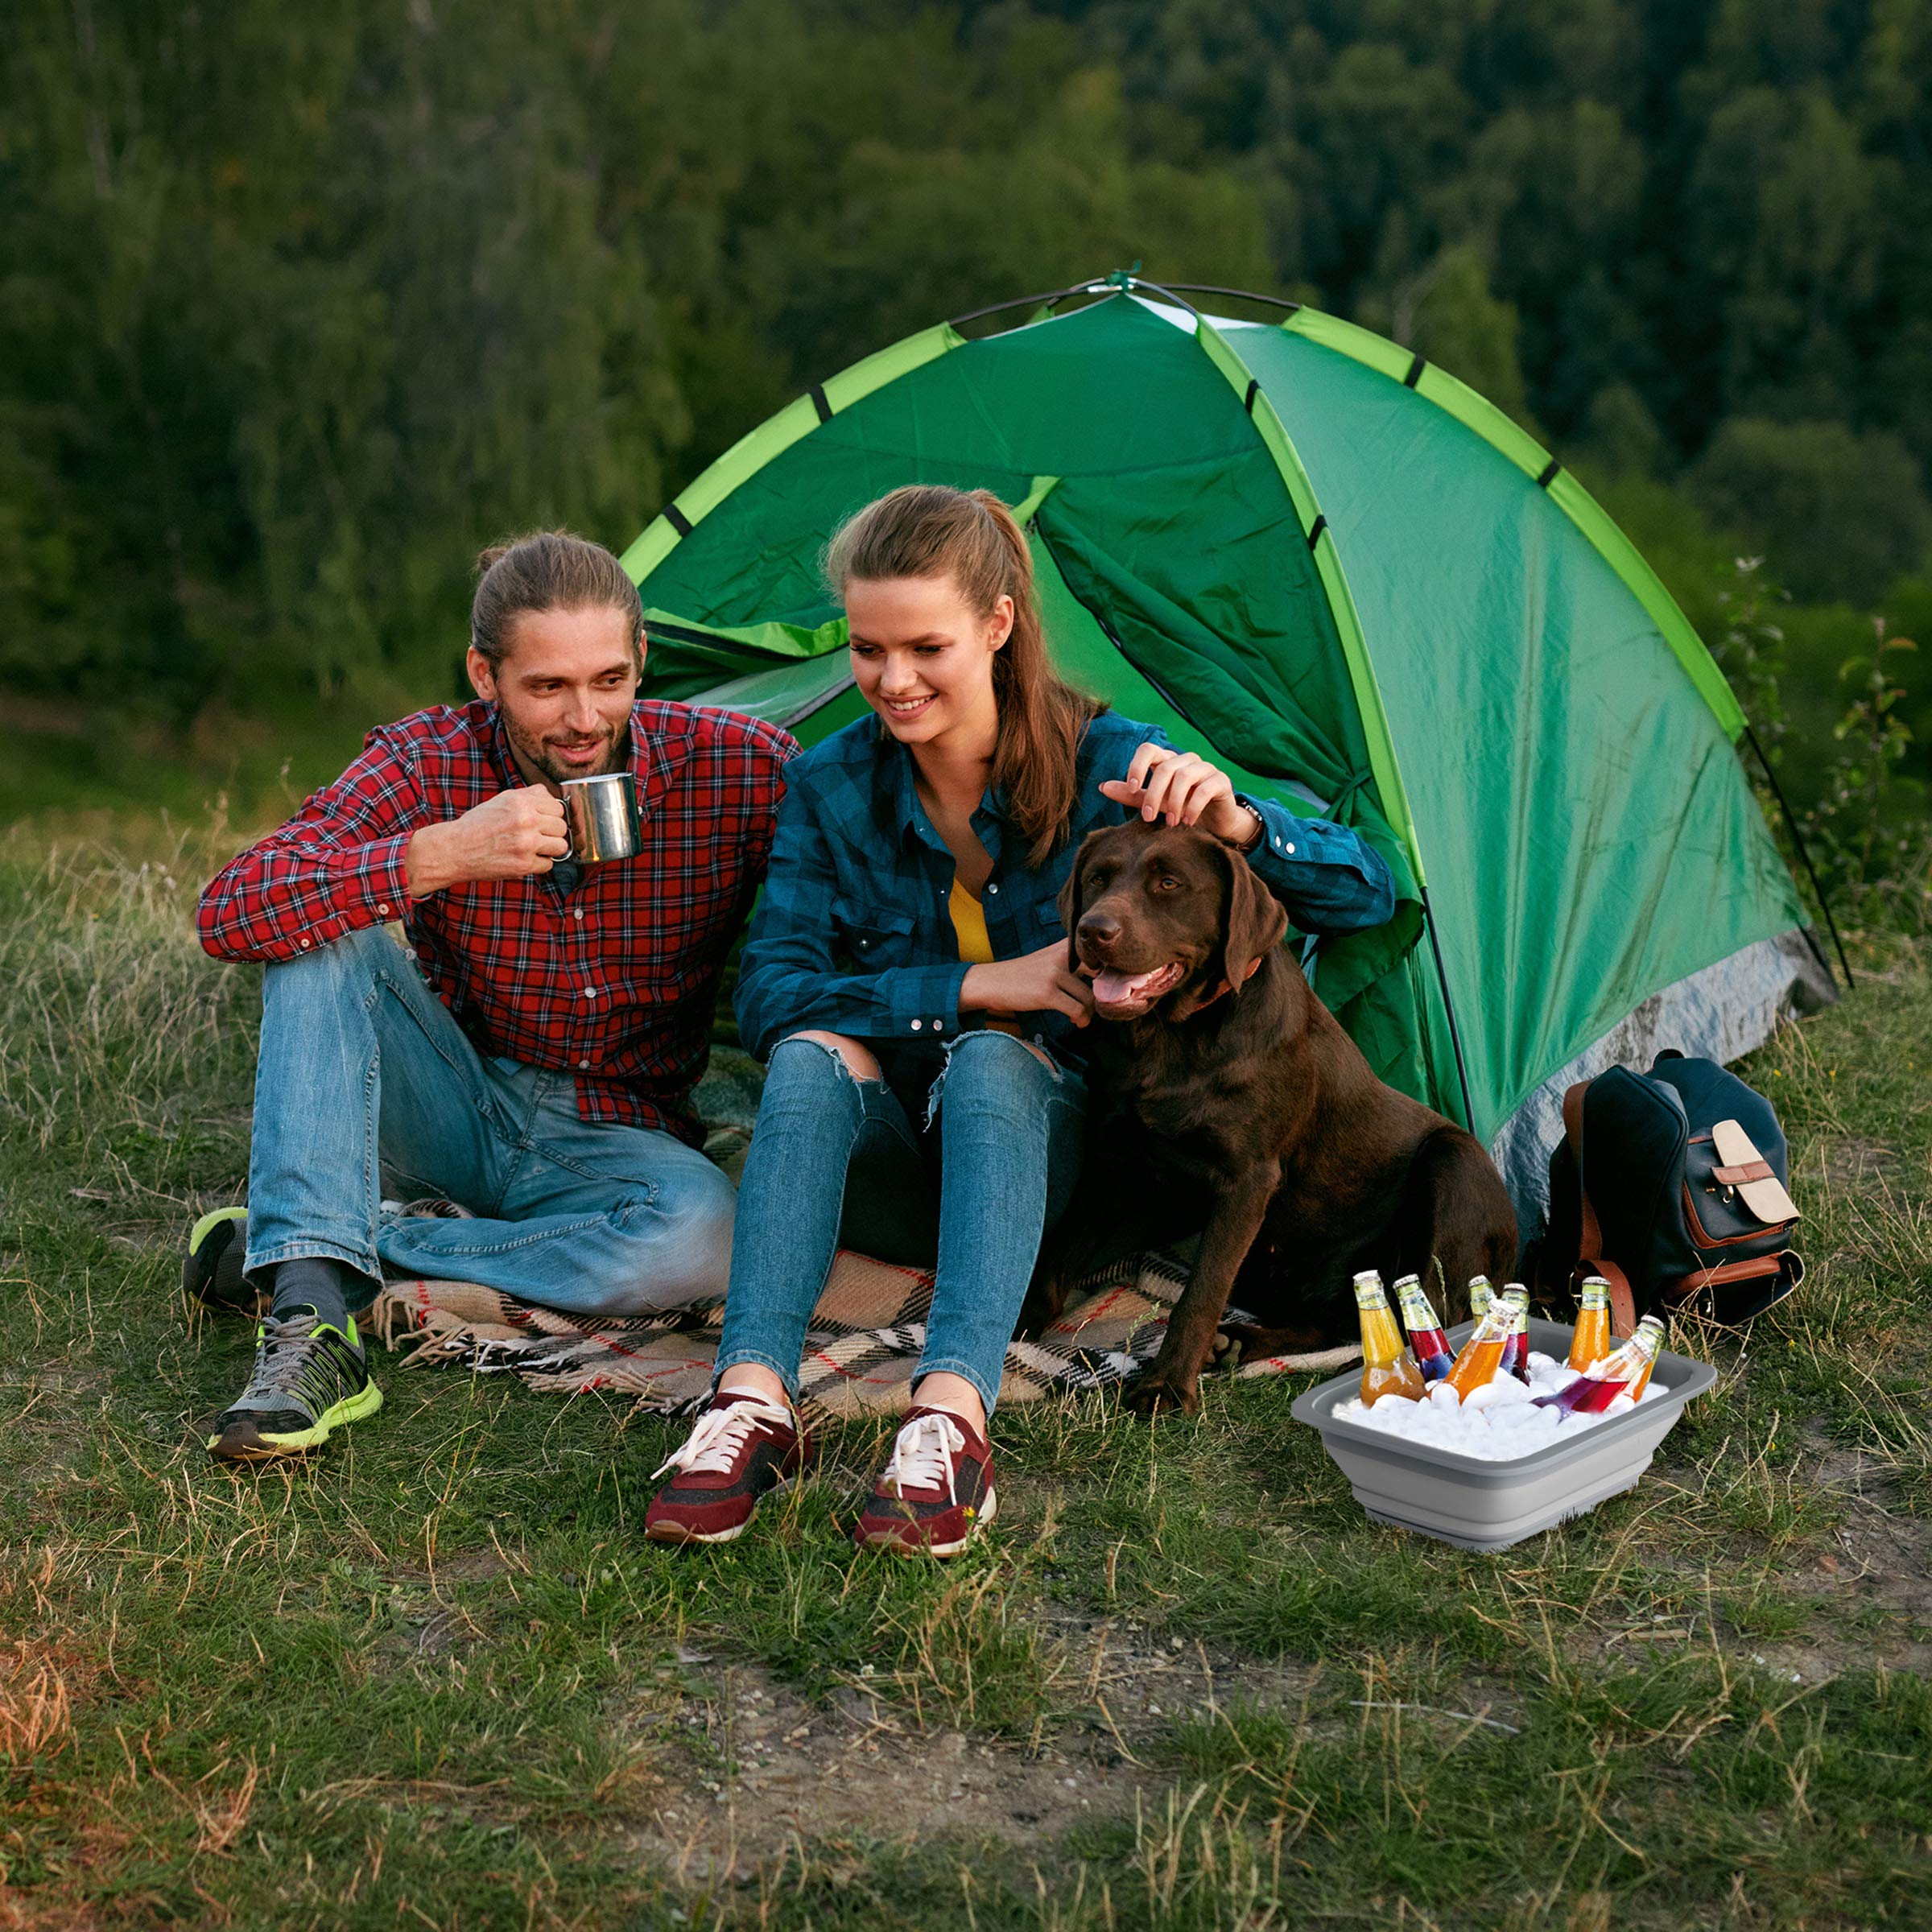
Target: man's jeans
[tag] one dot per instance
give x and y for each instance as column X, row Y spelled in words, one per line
column 364, row 1078
column 837, row 1160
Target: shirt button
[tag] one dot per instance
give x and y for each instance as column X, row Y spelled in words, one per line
column 384, row 911
column 578, row 914
column 590, row 992
column 916, row 1025
column 938, row 1025
column 991, row 889
column 583, row 1063
column 305, row 948
column 1290, row 848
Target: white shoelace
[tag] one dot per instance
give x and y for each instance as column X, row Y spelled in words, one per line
column 923, row 1456
column 713, row 1446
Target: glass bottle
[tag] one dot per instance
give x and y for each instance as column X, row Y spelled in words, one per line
column 1590, row 1341
column 1612, row 1375
column 1387, row 1366
column 1427, row 1342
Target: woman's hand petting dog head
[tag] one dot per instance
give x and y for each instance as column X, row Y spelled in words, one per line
column 1157, row 912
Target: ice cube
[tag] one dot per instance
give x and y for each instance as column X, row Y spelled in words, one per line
column 1444, row 1396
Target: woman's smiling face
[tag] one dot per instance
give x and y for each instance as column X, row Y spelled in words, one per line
column 923, row 658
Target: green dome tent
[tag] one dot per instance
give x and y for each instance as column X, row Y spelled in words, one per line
column 1306, row 552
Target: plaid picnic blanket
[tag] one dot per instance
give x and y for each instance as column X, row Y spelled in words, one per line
column 860, row 1352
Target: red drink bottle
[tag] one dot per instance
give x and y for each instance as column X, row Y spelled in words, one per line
column 1516, row 1350
column 1427, row 1341
column 1607, row 1377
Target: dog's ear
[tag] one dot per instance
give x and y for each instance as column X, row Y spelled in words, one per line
column 1070, row 896
column 1252, row 922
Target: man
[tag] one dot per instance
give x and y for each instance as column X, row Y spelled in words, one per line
column 534, row 1061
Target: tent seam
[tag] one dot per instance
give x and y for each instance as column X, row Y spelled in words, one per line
column 1588, row 517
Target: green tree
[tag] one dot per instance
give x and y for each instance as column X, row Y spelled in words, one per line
column 1843, row 513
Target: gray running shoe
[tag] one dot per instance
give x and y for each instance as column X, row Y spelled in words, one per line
column 309, row 1378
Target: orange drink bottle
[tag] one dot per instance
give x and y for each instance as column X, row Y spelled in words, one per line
column 1387, row 1366
column 1590, row 1340
column 1516, row 1351
column 1427, row 1342
column 1476, row 1361
column 1481, row 1294
column 1641, row 1380
column 1611, row 1375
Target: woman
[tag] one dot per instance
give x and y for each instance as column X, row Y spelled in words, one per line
column 906, row 975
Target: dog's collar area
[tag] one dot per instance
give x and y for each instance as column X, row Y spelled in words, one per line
column 1254, row 966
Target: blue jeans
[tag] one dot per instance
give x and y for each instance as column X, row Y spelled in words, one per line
column 364, row 1077
column 837, row 1161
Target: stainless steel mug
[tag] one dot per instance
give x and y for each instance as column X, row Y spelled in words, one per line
column 601, row 816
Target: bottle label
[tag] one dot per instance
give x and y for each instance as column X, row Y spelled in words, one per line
column 1416, row 1311
column 1368, row 1294
column 1596, row 1294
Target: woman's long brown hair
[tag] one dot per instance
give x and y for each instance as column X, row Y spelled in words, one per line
column 926, row 530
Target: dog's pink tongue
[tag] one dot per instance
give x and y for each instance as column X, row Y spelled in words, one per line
column 1111, row 988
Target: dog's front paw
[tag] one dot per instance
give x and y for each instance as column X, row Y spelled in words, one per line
column 1165, row 1395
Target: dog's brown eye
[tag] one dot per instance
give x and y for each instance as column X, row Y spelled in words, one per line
column 1166, row 884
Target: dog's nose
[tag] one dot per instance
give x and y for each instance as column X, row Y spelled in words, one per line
column 1103, row 928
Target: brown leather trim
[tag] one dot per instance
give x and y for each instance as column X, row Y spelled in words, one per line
column 1732, row 1177
column 1591, row 1261
column 1687, row 1285
column 1702, row 1236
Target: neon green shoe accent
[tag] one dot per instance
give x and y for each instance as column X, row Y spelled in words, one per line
column 282, row 1383
column 209, row 1221
column 356, row 1408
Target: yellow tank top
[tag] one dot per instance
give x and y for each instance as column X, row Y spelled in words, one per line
column 969, row 922
column 976, row 944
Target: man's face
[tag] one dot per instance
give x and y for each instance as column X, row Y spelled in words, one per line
column 565, row 688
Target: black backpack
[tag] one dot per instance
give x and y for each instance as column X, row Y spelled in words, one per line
column 1642, row 1193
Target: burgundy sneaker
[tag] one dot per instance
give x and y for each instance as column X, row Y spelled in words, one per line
column 935, row 1494
column 742, row 1447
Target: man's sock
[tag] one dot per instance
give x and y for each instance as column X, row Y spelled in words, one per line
column 320, row 1283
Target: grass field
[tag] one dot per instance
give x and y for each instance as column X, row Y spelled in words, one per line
column 437, row 1677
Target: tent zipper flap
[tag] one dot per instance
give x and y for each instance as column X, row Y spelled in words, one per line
column 1334, row 586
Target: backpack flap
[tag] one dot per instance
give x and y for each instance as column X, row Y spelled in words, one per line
column 1758, row 1184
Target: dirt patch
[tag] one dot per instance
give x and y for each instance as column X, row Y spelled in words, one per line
column 761, row 1767
column 1848, row 1161
column 755, row 1766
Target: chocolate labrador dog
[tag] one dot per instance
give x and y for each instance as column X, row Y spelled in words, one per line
column 1225, row 1094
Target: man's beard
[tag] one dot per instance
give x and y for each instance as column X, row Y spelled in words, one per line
column 538, row 757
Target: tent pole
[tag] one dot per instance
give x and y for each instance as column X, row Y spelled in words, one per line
column 1455, row 1038
column 1824, row 904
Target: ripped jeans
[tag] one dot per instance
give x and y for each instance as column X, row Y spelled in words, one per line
column 836, row 1160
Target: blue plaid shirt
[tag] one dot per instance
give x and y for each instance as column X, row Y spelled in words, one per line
column 854, row 934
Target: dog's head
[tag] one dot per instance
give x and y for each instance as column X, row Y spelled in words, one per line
column 1164, row 914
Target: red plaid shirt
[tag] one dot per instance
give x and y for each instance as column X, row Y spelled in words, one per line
column 614, row 982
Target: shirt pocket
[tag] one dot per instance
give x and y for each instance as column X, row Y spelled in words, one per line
column 869, row 939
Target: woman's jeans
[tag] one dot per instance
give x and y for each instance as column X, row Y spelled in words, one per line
column 836, row 1160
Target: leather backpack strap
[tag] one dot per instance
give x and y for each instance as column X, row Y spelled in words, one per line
column 1590, row 1258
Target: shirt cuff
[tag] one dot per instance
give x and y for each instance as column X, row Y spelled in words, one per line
column 382, row 883
column 922, row 1003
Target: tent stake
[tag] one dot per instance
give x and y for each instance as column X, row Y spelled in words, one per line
column 1824, row 904
column 1455, row 1038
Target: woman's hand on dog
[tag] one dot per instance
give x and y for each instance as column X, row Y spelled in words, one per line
column 1036, row 982
column 1185, row 789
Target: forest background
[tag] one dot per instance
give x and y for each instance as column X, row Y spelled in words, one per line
column 299, row 306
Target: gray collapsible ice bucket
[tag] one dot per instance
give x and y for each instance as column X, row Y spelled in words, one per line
column 1480, row 1504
